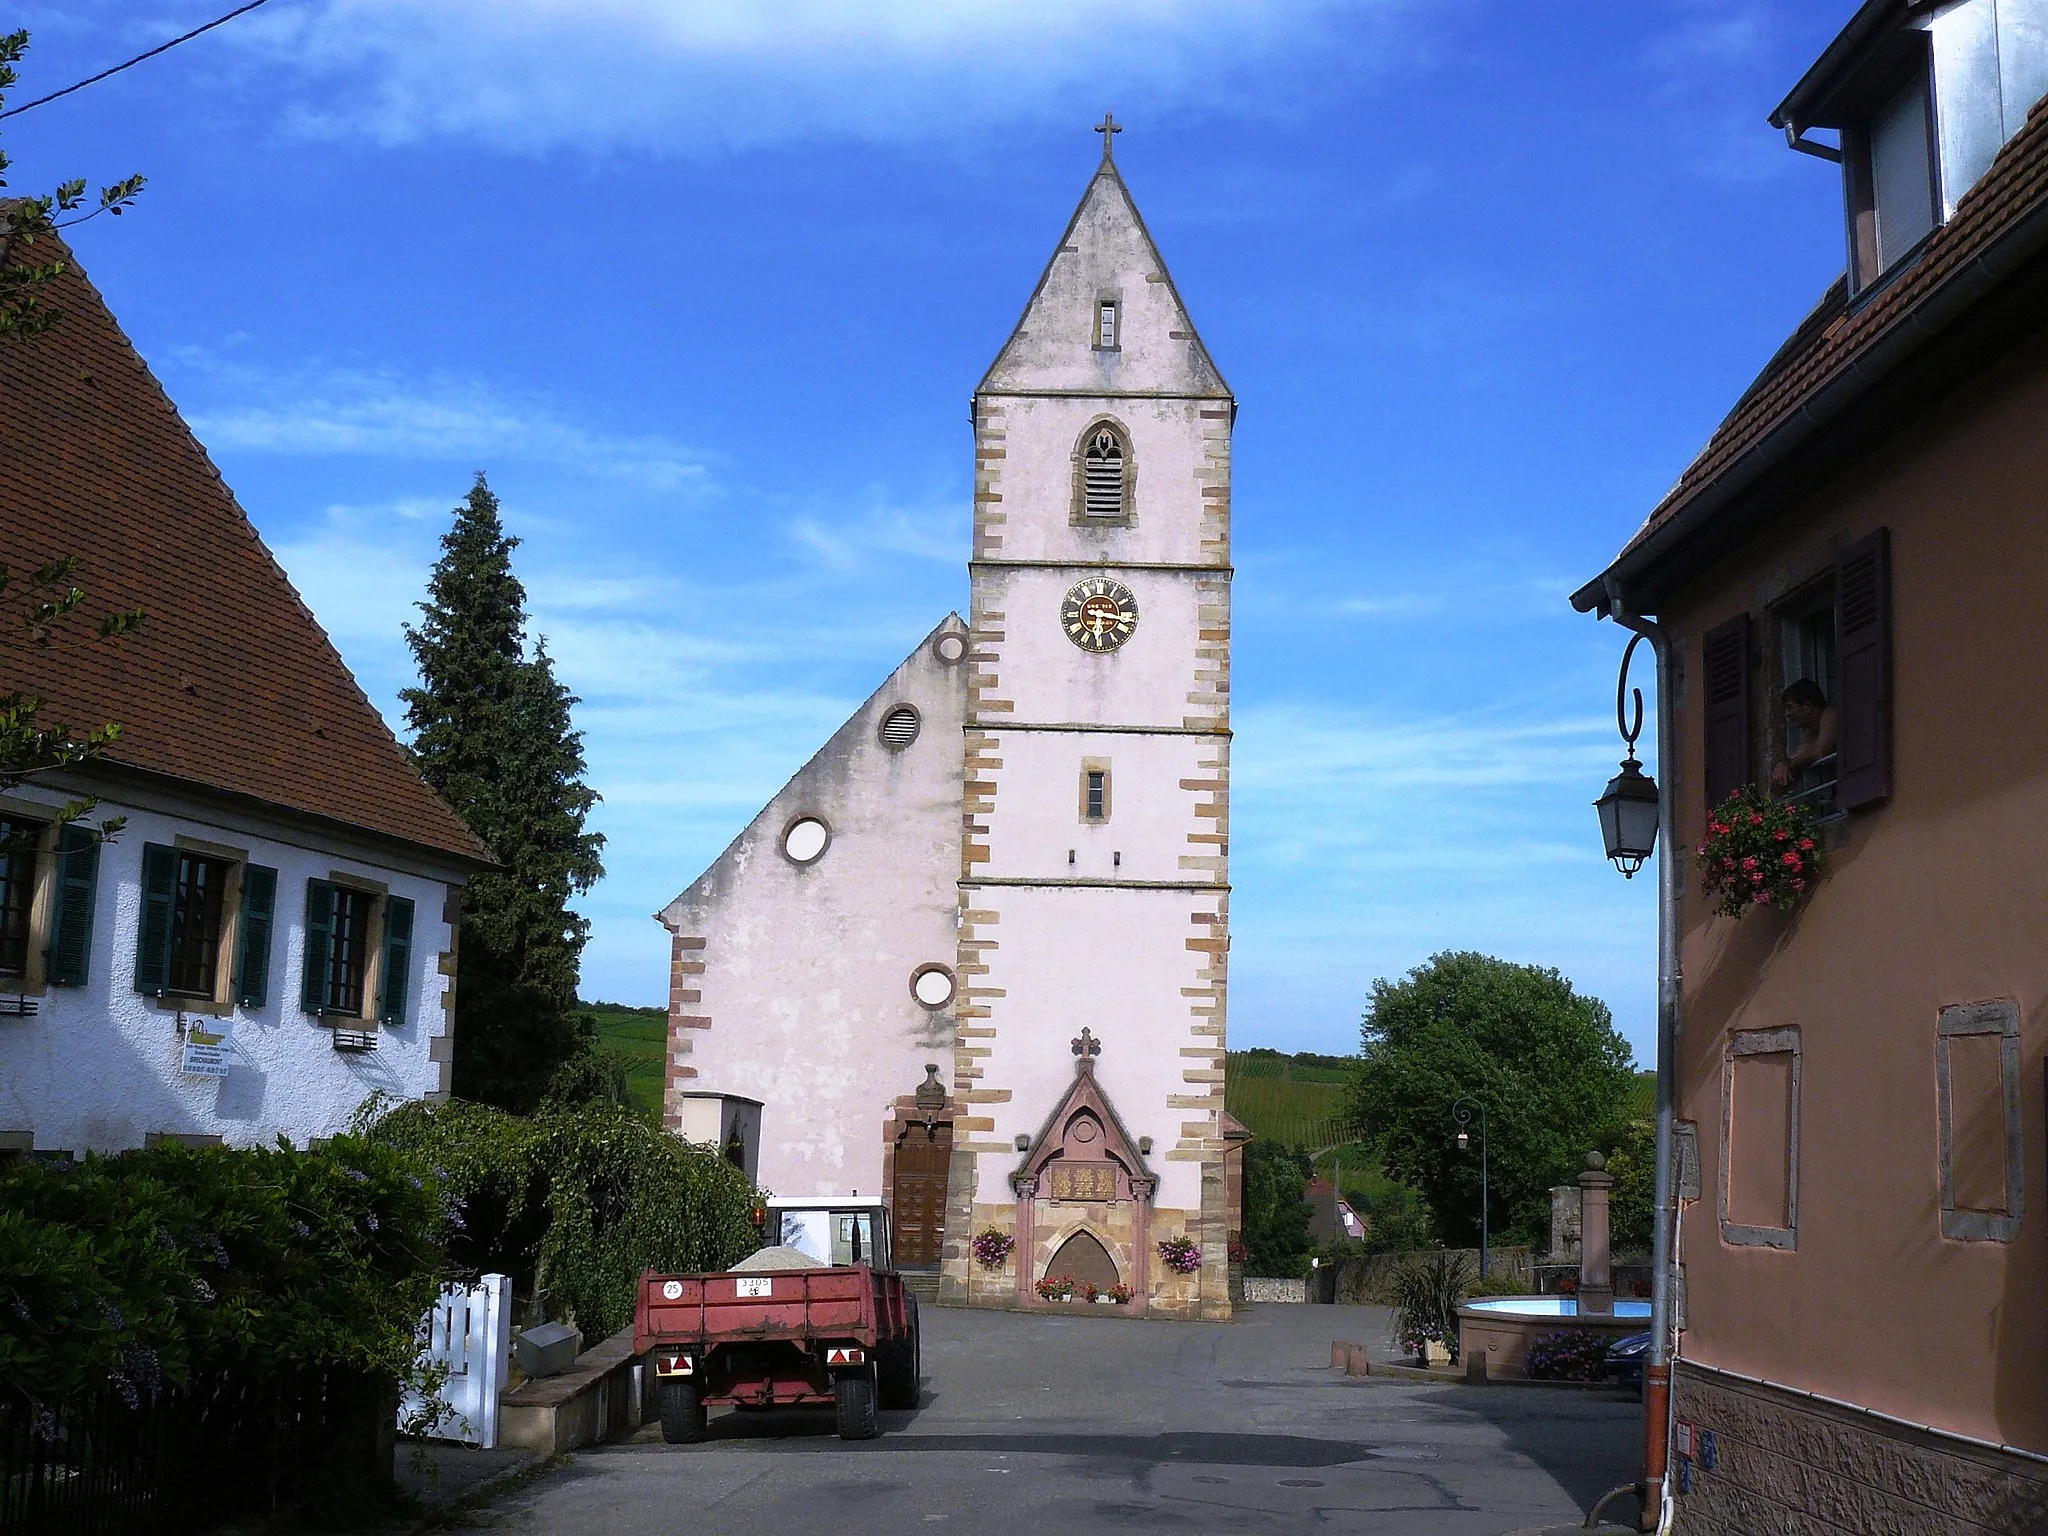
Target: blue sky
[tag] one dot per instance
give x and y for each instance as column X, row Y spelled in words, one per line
column 705, row 285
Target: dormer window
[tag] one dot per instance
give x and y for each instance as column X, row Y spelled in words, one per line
column 1923, row 97
column 1105, row 325
column 1891, row 175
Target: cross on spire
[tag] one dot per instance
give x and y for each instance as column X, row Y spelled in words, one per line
column 1109, row 128
column 1086, row 1045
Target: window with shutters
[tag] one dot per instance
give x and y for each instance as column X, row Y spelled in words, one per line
column 48, row 889
column 1805, row 726
column 358, row 955
column 195, row 961
column 348, row 953
column 205, row 930
column 1103, row 482
column 20, row 842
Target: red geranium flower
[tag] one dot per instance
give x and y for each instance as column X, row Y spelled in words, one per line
column 1790, row 861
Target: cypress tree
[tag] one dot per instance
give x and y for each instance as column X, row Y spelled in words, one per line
column 492, row 732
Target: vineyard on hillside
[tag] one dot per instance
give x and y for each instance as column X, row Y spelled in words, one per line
column 1291, row 1099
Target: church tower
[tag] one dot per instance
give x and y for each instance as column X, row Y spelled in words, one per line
column 1094, row 874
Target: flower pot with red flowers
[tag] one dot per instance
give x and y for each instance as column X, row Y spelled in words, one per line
column 1758, row 852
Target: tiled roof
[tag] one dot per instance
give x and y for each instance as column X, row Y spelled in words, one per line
column 230, row 684
column 1837, row 335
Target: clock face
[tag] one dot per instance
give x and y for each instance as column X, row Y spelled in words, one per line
column 1099, row 614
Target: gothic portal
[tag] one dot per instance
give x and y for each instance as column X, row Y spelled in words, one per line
column 972, row 957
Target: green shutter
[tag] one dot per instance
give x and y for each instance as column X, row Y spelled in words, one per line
column 259, row 902
column 78, row 869
column 153, row 933
column 319, row 941
column 397, row 957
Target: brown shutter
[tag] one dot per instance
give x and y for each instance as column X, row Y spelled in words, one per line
column 1724, row 661
column 1863, row 648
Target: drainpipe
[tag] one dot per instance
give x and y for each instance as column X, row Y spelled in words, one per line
column 1670, row 992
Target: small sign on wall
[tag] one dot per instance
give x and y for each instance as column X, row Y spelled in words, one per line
column 207, row 1048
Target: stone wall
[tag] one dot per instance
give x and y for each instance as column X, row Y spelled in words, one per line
column 1771, row 1462
column 1260, row 1288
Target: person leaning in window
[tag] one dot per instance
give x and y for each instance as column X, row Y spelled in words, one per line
column 1809, row 715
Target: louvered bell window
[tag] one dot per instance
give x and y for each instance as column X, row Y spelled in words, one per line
column 899, row 728
column 1105, row 325
column 1102, row 475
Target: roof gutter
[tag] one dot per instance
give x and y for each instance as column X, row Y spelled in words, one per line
column 1996, row 263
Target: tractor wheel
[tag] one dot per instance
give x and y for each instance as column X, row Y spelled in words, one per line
column 902, row 1373
column 682, row 1413
column 855, row 1392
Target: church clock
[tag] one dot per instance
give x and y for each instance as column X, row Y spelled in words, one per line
column 1099, row 614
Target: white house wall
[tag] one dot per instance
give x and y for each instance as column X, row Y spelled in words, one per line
column 791, row 983
column 97, row 1067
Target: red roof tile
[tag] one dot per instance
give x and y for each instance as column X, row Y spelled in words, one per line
column 231, row 683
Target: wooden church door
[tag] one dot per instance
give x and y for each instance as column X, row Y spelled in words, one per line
column 917, row 1208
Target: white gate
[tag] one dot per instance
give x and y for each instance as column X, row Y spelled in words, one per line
column 470, row 1332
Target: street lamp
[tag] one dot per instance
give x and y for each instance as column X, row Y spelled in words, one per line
column 1629, row 809
column 1462, row 1110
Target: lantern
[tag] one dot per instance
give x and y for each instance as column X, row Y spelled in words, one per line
column 1628, row 817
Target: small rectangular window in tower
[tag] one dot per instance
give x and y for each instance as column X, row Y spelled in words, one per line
column 1095, row 789
column 1105, row 325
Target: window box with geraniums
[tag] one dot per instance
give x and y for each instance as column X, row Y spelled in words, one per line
column 1180, row 1255
column 991, row 1247
column 1758, row 852
column 1056, row 1288
column 1120, row 1294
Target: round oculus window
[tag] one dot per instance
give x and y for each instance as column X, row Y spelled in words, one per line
column 899, row 727
column 804, row 840
column 950, row 648
column 932, row 986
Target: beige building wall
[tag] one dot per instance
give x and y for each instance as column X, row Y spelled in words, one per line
column 791, row 983
column 1818, row 1044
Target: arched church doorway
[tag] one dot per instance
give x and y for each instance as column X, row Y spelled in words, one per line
column 917, row 1204
column 1084, row 1258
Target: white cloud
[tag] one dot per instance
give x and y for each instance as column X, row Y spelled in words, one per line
column 684, row 74
column 446, row 419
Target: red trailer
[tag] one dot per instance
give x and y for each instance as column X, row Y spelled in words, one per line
column 836, row 1336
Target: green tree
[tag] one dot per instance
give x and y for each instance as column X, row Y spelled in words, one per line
column 1276, row 1213
column 27, row 221
column 1546, row 1062
column 1632, row 1161
column 492, row 732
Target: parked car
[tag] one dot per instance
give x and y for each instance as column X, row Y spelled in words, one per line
column 1625, row 1358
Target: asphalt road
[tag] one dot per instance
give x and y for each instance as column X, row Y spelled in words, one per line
column 1103, row 1424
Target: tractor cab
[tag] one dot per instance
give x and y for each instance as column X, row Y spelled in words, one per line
column 833, row 1229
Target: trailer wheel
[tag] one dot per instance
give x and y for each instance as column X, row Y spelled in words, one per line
column 902, row 1383
column 855, row 1392
column 682, row 1413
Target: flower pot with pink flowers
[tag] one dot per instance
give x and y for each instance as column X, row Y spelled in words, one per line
column 1758, row 852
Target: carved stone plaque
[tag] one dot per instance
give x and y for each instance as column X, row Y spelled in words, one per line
column 1082, row 1181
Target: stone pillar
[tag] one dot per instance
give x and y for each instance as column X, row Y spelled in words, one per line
column 1025, row 1236
column 1596, row 1274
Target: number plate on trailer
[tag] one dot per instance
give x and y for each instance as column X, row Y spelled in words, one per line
column 756, row 1286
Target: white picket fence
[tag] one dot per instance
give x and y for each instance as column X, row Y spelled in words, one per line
column 469, row 1331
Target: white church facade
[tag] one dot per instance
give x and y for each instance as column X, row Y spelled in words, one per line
column 973, row 957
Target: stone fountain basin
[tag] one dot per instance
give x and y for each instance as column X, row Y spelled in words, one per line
column 1502, row 1327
